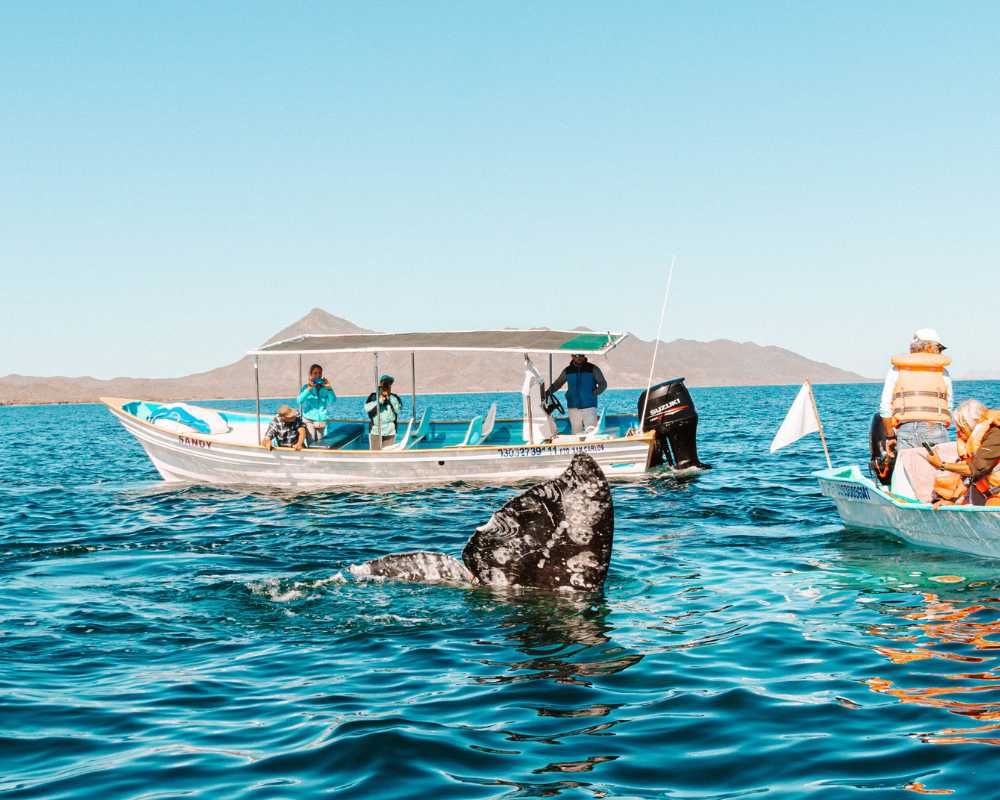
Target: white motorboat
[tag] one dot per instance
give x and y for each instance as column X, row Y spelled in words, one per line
column 189, row 443
column 863, row 504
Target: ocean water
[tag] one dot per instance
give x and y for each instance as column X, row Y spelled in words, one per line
column 160, row 642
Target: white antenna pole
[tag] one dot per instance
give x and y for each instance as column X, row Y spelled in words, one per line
column 656, row 345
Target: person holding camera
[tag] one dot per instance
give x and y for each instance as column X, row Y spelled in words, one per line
column 316, row 401
column 384, row 414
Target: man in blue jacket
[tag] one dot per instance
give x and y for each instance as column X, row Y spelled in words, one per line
column 584, row 382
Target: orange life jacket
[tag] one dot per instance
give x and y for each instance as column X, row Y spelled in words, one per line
column 967, row 448
column 921, row 394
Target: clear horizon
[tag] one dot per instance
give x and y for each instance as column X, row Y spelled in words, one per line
column 182, row 182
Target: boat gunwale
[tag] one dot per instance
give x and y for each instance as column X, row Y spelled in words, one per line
column 901, row 503
column 114, row 405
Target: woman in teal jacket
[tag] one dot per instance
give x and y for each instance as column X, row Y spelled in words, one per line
column 316, row 400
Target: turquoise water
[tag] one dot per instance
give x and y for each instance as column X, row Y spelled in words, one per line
column 164, row 643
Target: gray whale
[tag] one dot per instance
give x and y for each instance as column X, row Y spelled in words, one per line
column 555, row 536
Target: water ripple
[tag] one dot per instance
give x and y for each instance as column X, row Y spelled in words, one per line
column 160, row 642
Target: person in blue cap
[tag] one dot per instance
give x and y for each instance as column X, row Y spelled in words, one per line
column 383, row 414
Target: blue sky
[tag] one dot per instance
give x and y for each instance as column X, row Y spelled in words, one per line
column 179, row 182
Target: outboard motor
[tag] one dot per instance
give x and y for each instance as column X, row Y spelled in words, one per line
column 670, row 413
column 883, row 460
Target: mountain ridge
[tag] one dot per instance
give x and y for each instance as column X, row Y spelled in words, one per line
column 720, row 362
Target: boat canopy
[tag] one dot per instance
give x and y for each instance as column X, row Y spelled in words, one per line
column 501, row 341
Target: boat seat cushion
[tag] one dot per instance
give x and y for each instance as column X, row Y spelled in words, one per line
column 339, row 435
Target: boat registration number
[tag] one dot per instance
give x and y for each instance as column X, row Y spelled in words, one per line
column 561, row 450
column 850, row 491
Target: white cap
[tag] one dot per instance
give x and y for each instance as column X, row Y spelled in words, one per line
column 928, row 335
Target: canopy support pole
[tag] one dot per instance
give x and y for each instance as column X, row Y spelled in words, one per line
column 256, row 381
column 378, row 399
column 413, row 385
column 300, row 379
column 550, row 369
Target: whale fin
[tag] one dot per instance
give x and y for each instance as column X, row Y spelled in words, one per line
column 557, row 535
column 418, row 567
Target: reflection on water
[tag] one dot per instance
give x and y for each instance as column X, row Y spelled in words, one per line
column 569, row 642
column 562, row 639
column 951, row 631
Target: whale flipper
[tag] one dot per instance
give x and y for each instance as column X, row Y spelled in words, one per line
column 557, row 535
column 419, row 566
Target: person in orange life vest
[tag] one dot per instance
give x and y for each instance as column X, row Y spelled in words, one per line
column 978, row 430
column 917, row 395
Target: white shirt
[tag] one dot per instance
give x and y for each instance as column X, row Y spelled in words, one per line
column 885, row 404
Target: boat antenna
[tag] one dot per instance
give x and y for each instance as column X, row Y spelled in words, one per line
column 656, row 344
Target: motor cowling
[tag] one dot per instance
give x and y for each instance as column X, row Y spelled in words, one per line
column 671, row 414
column 883, row 457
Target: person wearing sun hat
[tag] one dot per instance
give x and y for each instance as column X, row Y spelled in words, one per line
column 384, row 414
column 285, row 430
column 917, row 394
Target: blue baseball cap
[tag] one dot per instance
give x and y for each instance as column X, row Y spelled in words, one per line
column 386, row 379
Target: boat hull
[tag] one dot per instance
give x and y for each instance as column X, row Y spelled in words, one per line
column 863, row 505
column 191, row 458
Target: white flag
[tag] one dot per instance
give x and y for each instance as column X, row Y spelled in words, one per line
column 799, row 421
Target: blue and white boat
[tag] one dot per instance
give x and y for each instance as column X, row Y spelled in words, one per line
column 864, row 504
column 188, row 443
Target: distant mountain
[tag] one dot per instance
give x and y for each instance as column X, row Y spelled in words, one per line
column 718, row 363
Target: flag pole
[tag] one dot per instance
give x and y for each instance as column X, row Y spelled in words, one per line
column 819, row 423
